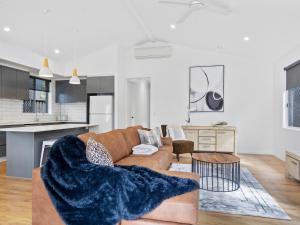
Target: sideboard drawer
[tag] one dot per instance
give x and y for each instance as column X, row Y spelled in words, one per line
column 207, row 147
column 225, row 132
column 207, row 133
column 207, row 140
column 293, row 167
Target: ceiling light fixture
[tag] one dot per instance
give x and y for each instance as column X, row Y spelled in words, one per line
column 74, row 79
column 246, row 38
column 45, row 71
column 173, row 26
column 6, row 29
column 56, row 51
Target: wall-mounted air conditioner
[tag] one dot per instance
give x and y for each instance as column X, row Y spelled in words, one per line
column 153, row 52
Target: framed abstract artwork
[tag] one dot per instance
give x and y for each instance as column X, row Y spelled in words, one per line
column 206, row 88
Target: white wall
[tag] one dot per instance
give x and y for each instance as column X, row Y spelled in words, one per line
column 102, row 62
column 248, row 94
column 248, row 90
column 284, row 139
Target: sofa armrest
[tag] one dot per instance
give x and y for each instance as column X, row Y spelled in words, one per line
column 166, row 140
column 43, row 211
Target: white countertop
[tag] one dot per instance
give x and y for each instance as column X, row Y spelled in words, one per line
column 43, row 128
column 4, row 123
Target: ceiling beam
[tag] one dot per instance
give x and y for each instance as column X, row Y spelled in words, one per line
column 133, row 12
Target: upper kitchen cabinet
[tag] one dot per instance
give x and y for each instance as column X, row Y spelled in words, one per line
column 70, row 93
column 100, row 85
column 22, row 85
column 9, row 83
column 14, row 83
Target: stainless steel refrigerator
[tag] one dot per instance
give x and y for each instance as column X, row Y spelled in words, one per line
column 101, row 112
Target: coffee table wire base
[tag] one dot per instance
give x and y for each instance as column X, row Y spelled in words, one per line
column 218, row 177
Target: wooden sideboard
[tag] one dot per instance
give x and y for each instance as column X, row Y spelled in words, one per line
column 292, row 160
column 212, row 138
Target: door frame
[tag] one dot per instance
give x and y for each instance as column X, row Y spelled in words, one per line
column 128, row 80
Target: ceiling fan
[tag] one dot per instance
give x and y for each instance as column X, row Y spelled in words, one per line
column 215, row 6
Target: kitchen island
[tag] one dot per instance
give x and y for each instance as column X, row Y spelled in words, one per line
column 24, row 145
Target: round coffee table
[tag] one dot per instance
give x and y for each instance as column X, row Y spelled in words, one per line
column 219, row 172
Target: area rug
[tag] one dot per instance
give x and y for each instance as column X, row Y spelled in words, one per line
column 251, row 199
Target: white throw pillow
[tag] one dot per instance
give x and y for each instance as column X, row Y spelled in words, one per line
column 150, row 137
column 176, row 133
column 158, row 136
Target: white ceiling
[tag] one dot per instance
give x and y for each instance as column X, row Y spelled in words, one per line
column 272, row 26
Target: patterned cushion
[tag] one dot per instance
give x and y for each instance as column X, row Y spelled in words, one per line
column 150, row 137
column 96, row 153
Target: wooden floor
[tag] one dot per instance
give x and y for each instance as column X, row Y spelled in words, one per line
column 15, row 195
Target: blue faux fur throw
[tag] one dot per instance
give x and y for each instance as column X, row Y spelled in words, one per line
column 89, row 194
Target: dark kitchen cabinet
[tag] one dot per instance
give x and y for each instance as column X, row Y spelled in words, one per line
column 92, row 85
column 9, row 83
column 70, row 93
column 100, row 85
column 2, row 144
column 0, row 81
column 14, row 84
column 22, row 85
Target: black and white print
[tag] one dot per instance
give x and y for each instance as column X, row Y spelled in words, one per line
column 206, row 93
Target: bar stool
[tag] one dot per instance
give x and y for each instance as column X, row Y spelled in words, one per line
column 44, row 154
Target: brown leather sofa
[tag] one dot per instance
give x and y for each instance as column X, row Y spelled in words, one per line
column 179, row 210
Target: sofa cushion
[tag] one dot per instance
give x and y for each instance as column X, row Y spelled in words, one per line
column 132, row 137
column 114, row 142
column 159, row 160
column 168, row 148
column 85, row 137
column 186, row 204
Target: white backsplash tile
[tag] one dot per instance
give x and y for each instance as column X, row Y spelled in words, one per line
column 12, row 111
column 74, row 111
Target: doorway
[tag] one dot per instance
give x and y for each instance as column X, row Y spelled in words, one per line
column 138, row 108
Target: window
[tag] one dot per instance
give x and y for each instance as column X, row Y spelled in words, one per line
column 292, row 96
column 293, row 106
column 38, row 96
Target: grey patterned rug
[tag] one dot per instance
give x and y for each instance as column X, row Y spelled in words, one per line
column 251, row 199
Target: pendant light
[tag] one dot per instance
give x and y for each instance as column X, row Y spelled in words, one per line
column 74, row 78
column 45, row 70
